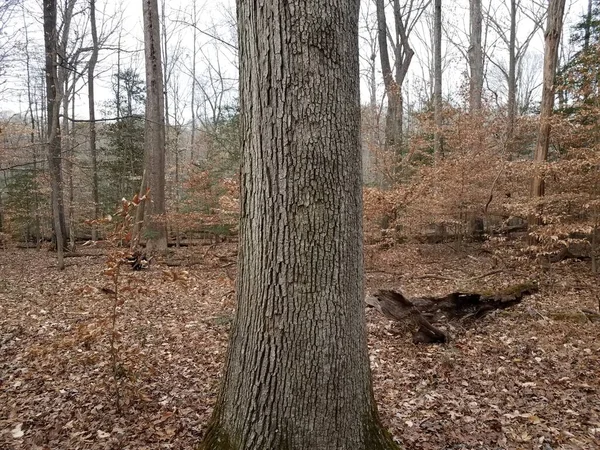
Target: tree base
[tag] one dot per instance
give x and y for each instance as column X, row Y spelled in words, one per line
column 377, row 438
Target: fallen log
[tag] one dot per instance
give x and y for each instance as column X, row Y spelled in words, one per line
column 424, row 311
column 394, row 305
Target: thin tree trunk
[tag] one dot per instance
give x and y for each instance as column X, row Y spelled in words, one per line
column 63, row 72
column 92, row 112
column 193, row 99
column 154, row 155
column 475, row 57
column 552, row 39
column 71, row 166
column 30, row 100
column 53, row 135
column 388, row 77
column 588, row 26
column 67, row 150
column 437, row 89
column 512, row 78
column 165, row 72
column 297, row 372
column 118, row 93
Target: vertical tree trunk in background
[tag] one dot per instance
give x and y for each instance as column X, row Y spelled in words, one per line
column 552, row 39
column 475, row 57
column 391, row 88
column 169, row 144
column 588, row 26
column 164, row 68
column 30, row 109
column 53, row 134
column 64, row 70
column 67, row 149
column 438, row 148
column 154, row 156
column 92, row 112
column 297, row 372
column 373, row 83
column 511, row 112
column 71, row 165
column 193, row 99
column 118, row 90
column 393, row 85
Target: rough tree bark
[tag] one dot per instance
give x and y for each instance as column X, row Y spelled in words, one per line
column 53, row 135
column 297, row 371
column 552, row 39
column 437, row 73
column 475, row 57
column 155, row 229
column 92, row 113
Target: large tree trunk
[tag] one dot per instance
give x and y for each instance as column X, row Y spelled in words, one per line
column 53, row 136
column 437, row 74
column 92, row 112
column 154, row 157
column 297, row 372
column 552, row 39
column 475, row 57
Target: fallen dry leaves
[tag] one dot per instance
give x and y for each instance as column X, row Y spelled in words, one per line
column 527, row 377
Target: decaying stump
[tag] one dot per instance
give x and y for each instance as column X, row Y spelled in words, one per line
column 423, row 311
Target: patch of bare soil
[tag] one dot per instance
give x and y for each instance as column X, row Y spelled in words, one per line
column 525, row 377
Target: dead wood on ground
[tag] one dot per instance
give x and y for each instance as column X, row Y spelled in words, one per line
column 424, row 311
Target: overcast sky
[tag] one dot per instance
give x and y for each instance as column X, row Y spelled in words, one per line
column 216, row 18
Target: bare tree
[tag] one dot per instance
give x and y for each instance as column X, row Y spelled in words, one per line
column 32, row 120
column 553, row 32
column 512, row 65
column 154, row 153
column 66, row 72
column 7, row 43
column 53, row 136
column 193, row 73
column 535, row 14
column 371, row 114
column 172, row 42
column 92, row 113
column 405, row 18
column 368, row 36
column 588, row 25
column 475, row 56
column 437, row 90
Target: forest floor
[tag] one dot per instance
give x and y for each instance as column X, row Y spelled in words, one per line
column 523, row 378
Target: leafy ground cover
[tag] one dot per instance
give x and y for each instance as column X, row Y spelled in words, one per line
column 526, row 377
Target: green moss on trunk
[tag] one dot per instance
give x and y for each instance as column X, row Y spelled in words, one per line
column 216, row 438
column 377, row 437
